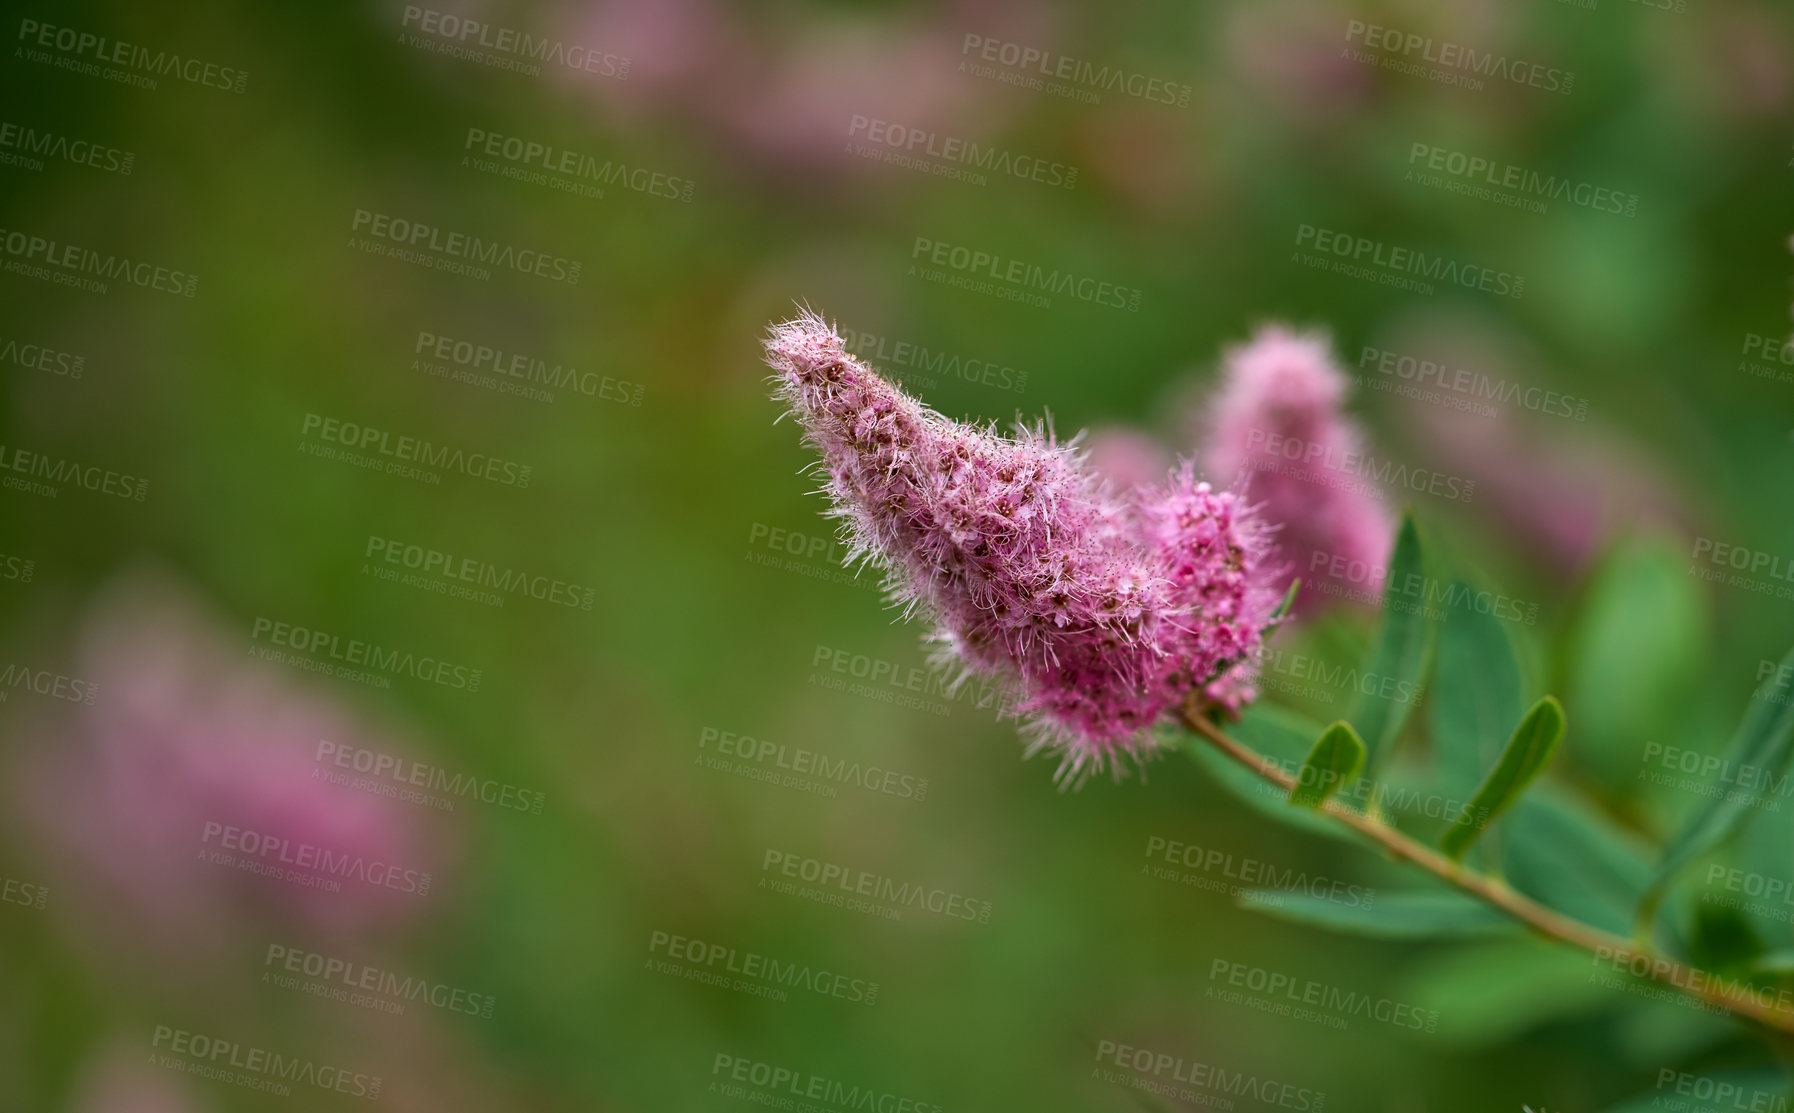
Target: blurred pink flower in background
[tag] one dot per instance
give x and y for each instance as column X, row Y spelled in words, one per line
column 1732, row 62
column 673, row 46
column 121, row 1079
column 1277, row 423
column 1561, row 493
column 187, row 740
column 1151, row 159
column 1289, row 58
column 783, row 96
column 1126, row 457
column 806, row 103
column 1546, row 470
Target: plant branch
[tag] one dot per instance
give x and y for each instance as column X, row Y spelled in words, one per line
column 1731, row 996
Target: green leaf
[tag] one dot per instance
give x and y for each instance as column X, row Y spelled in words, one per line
column 1279, row 734
column 1778, row 963
column 1477, row 694
column 1559, row 851
column 1531, row 746
column 1425, row 914
column 1492, row 991
column 1766, row 847
column 1289, row 600
column 1763, row 742
column 1636, row 656
column 1337, row 757
column 1395, row 664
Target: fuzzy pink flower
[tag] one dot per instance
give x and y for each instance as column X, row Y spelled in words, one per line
column 1277, row 422
column 1106, row 612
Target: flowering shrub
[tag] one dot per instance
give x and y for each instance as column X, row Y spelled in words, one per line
column 1116, row 614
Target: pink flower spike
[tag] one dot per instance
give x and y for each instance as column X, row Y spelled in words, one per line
column 1278, row 424
column 1105, row 612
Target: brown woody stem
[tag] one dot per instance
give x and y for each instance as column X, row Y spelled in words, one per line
column 1733, row 997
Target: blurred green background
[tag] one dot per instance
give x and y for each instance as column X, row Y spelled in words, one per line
column 680, row 505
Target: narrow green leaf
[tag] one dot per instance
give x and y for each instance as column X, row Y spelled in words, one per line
column 1289, row 600
column 1280, row 734
column 1527, row 751
column 1763, row 742
column 1394, row 667
column 1425, row 914
column 1337, row 757
column 1477, row 694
